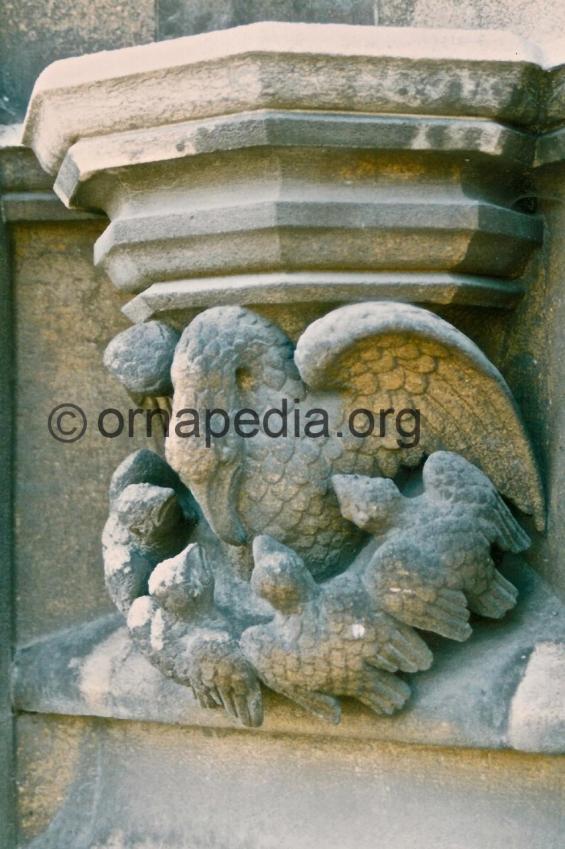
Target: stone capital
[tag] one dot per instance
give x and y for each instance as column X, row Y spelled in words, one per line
column 282, row 162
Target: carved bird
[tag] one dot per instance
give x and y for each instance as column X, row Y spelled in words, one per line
column 151, row 515
column 166, row 590
column 327, row 639
column 180, row 629
column 377, row 356
column 145, row 525
column 434, row 553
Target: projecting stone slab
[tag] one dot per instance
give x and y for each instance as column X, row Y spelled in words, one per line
column 281, row 65
column 323, row 287
column 537, row 715
column 256, row 237
column 294, row 148
column 463, row 700
column 89, row 158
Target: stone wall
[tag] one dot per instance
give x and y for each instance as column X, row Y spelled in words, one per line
column 101, row 764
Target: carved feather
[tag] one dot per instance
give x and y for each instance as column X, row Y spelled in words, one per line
column 381, row 355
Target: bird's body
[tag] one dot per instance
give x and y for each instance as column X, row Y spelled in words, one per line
column 265, row 484
column 373, row 357
column 179, row 628
column 328, row 639
column 319, row 497
column 431, row 562
column 434, row 559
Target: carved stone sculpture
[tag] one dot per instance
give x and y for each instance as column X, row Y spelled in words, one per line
column 332, row 567
column 329, row 638
column 432, row 559
column 434, row 555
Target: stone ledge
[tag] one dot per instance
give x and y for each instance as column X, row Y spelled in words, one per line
column 550, row 148
column 537, row 716
column 432, row 234
column 279, row 147
column 40, row 206
column 473, row 696
column 323, row 287
column 25, row 190
column 293, row 66
column 89, row 158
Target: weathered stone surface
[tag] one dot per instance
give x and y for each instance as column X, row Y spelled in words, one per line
column 339, row 188
column 293, row 66
column 188, row 17
column 89, row 158
column 379, row 354
column 538, row 336
column 537, row 713
column 7, row 369
column 316, row 234
column 463, row 700
column 25, row 190
column 539, row 22
column 33, row 34
column 151, row 786
column 550, row 148
column 324, row 373
column 66, row 313
column 170, row 300
column 258, row 191
column 479, row 694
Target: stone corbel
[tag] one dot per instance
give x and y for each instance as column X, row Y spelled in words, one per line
column 256, row 179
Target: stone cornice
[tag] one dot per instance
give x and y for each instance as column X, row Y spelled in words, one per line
column 293, row 66
column 304, row 149
column 26, row 193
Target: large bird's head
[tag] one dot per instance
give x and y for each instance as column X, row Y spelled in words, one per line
column 228, row 359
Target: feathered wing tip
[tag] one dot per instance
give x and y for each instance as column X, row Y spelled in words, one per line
column 404, row 650
column 381, row 355
column 448, row 476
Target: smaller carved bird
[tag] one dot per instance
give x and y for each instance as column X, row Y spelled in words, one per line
column 434, row 558
column 151, row 516
column 327, row 638
column 146, row 524
column 184, row 634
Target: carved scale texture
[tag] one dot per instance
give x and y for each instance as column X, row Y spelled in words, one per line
column 375, row 356
column 334, row 642
column 347, row 635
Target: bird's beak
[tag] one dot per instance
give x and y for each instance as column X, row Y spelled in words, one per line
column 219, row 504
column 342, row 486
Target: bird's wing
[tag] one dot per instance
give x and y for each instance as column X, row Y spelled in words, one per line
column 450, row 478
column 220, row 672
column 408, row 582
column 383, row 356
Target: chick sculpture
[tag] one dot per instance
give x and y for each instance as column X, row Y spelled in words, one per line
column 319, row 609
column 432, row 560
column 165, row 588
column 434, row 557
column 180, row 629
column 327, row 640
